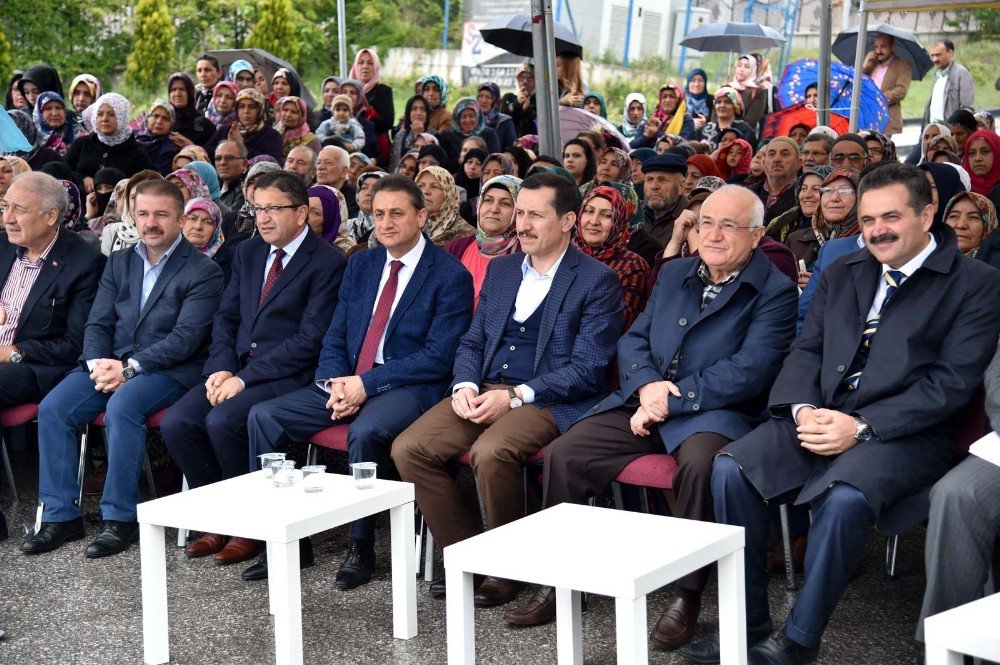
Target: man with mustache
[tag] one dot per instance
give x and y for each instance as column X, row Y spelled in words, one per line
column 143, row 347
column 865, row 407
column 665, row 200
column 535, row 359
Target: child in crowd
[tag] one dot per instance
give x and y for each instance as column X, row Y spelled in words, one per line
column 343, row 125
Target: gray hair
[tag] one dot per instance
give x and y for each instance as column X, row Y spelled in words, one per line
column 241, row 148
column 756, row 207
column 820, row 136
column 343, row 155
column 309, row 151
column 50, row 191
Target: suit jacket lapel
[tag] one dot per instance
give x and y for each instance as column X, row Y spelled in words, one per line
column 505, row 299
column 420, row 273
column 257, row 265
column 560, row 286
column 51, row 268
column 366, row 305
column 295, row 265
column 174, row 263
column 135, row 273
column 866, row 275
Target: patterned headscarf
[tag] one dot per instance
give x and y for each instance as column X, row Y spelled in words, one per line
column 68, row 129
column 362, row 225
column 846, row 227
column 441, row 84
column 209, row 176
column 237, row 67
column 628, row 129
column 193, row 152
column 673, row 123
column 733, row 96
column 697, row 103
column 192, row 183
column 709, row 183
column 888, row 147
column 461, row 105
column 622, row 160
column 144, row 136
column 216, row 239
column 92, row 82
column 376, row 70
column 253, row 94
column 506, row 242
column 122, row 109
column 742, row 168
column 982, row 184
column 987, row 211
column 362, row 102
column 751, row 81
column 74, row 218
column 507, row 163
column 985, row 120
column 491, row 114
column 619, row 235
column 292, row 136
column 334, row 210
column 17, row 165
column 212, row 113
column 445, row 224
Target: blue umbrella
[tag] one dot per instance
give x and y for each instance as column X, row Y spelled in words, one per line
column 11, row 138
column 799, row 75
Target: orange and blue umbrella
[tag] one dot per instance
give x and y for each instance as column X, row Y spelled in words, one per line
column 799, row 75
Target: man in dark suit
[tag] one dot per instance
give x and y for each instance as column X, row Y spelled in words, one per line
column 266, row 339
column 143, row 347
column 387, row 355
column 864, row 410
column 694, row 371
column 50, row 279
column 535, row 359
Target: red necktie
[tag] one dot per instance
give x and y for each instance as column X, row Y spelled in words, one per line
column 366, row 359
column 272, row 275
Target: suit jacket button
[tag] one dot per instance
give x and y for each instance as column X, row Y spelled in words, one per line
column 635, row 366
column 596, row 407
column 660, row 360
column 683, row 322
column 253, row 345
column 695, row 407
column 691, row 395
column 840, row 368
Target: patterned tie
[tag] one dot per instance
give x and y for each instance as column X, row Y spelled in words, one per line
column 893, row 278
column 272, row 275
column 366, row 359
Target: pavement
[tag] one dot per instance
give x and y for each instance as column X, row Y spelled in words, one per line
column 60, row 608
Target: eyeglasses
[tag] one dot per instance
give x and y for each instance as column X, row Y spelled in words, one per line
column 852, row 157
column 843, row 191
column 222, row 159
column 725, row 227
column 271, row 210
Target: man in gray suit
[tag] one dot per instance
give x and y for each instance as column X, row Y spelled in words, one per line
column 953, row 87
column 963, row 524
column 144, row 345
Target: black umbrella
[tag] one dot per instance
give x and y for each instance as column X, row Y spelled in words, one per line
column 907, row 47
column 513, row 34
column 733, row 37
column 263, row 61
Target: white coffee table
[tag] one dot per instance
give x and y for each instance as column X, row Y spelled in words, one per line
column 614, row 553
column 250, row 507
column 969, row 629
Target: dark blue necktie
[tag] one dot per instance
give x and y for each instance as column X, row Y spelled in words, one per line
column 893, row 278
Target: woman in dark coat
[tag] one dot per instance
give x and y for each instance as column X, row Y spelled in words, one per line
column 110, row 144
column 367, row 69
column 190, row 125
column 467, row 120
column 39, row 79
column 250, row 128
column 154, row 137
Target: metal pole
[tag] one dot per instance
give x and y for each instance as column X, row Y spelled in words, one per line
column 825, row 48
column 342, row 37
column 859, row 59
column 628, row 32
column 687, row 29
column 546, row 91
column 447, row 16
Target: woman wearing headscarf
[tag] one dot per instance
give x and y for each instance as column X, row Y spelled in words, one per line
column 946, row 183
column 409, row 164
column 112, row 142
column 982, row 161
column 377, row 146
column 359, row 229
column 699, row 166
column 39, row 155
column 488, row 97
column 84, row 91
column 241, row 73
column 613, row 165
column 496, row 231
column 441, row 199
column 594, row 103
column 522, row 158
column 734, row 160
column 727, row 113
column 122, row 232
column 633, row 115
column 414, row 123
column 190, row 125
column 368, row 70
column 745, row 82
column 836, row 216
column 14, row 99
column 154, row 137
column 250, row 128
column 222, row 109
column 246, row 221
column 201, row 226
column 99, row 200
column 807, row 195
column 10, row 166
column 435, row 90
column 985, row 120
column 190, row 184
column 669, row 117
column 330, row 89
column 699, row 102
column 973, row 217
column 931, row 131
column 603, row 232
column 206, row 172
column 38, row 79
column 57, row 126
column 880, row 147
column 467, row 120
column 292, row 125
column 327, row 211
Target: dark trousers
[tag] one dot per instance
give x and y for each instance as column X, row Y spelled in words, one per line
column 18, row 385
column 841, row 519
column 584, row 461
column 209, row 443
column 298, row 415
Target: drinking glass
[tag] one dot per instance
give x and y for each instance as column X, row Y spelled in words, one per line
column 364, row 474
column 284, row 473
column 312, row 477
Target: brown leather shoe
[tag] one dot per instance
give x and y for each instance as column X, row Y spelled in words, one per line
column 677, row 624
column 438, row 590
column 496, row 591
column 540, row 609
column 210, row 543
column 238, row 550
column 777, row 563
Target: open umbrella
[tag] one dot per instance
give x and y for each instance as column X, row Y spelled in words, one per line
column 799, row 75
column 513, row 34
column 573, row 120
column 780, row 122
column 11, row 138
column 263, row 61
column 907, row 47
column 732, row 37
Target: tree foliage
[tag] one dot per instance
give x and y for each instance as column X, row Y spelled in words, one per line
column 149, row 62
column 6, row 62
column 987, row 21
column 275, row 30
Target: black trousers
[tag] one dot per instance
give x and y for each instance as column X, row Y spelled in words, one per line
column 18, row 385
column 584, row 460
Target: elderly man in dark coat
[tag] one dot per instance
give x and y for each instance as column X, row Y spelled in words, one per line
column 864, row 409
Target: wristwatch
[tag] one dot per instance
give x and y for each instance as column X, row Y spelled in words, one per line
column 128, row 371
column 864, row 430
column 15, row 356
column 515, row 401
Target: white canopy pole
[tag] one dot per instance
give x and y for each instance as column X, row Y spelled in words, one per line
column 825, row 53
column 859, row 59
column 342, row 37
column 546, row 86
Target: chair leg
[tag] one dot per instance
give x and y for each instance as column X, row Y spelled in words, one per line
column 786, row 543
column 83, row 463
column 182, row 534
column 312, row 453
column 147, row 469
column 616, row 492
column 524, row 485
column 644, row 498
column 10, row 472
column 429, row 558
column 891, row 546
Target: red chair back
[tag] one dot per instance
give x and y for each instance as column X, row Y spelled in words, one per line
column 655, row 470
column 18, row 415
column 334, row 438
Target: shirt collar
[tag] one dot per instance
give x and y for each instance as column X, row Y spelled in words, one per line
column 706, row 276
column 943, row 73
column 526, row 266
column 22, row 252
column 294, row 245
column 412, row 257
column 140, row 249
column 913, row 264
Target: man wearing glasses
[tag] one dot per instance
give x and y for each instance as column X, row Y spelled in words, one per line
column 849, row 151
column 816, row 151
column 231, row 165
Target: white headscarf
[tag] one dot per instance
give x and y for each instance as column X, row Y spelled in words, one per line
column 122, row 109
column 629, row 130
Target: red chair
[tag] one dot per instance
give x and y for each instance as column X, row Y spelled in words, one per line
column 331, row 438
column 14, row 417
column 653, row 471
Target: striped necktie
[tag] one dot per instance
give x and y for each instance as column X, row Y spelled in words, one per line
column 893, row 278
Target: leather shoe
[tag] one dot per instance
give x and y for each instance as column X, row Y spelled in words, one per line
column 496, row 591
column 540, row 609
column 258, row 571
column 238, row 550
column 438, row 590
column 52, row 535
column 677, row 624
column 115, row 538
column 210, row 543
column 358, row 567
column 779, row 649
column 708, row 650
column 777, row 562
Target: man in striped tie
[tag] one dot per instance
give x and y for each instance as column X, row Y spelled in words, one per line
column 864, row 410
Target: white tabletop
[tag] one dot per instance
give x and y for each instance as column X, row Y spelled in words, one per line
column 251, row 507
column 970, row 629
column 598, row 550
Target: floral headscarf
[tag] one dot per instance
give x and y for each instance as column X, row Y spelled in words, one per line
column 212, row 113
column 733, row 96
column 846, row 227
column 237, row 67
column 442, row 86
column 681, row 109
column 985, row 120
column 982, row 184
column 74, row 218
column 253, row 94
column 192, row 183
column 122, row 109
column 506, row 242
column 888, row 147
column 142, row 121
column 987, row 211
column 622, row 213
column 629, row 130
column 622, row 160
column 193, row 152
column 69, row 130
column 491, row 114
column 376, row 70
column 292, row 136
column 92, row 82
column 445, row 224
column 216, row 239
column 208, row 175
column 362, row 102
column 362, row 225
column 333, row 216
column 461, row 105
column 507, row 163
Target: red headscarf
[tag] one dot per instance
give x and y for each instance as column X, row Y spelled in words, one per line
column 742, row 168
column 704, row 164
column 982, row 184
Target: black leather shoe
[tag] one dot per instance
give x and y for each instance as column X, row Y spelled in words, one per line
column 357, row 567
column 258, row 571
column 52, row 535
column 779, row 649
column 707, row 650
column 115, row 538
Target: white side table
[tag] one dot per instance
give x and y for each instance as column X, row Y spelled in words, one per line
column 250, row 506
column 614, row 553
column 969, row 629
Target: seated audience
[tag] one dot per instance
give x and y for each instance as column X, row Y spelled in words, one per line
column 972, row 217
column 154, row 137
column 112, row 142
column 441, row 202
column 781, row 169
column 57, row 127
column 836, row 217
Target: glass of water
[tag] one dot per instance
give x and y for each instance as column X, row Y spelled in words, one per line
column 284, row 473
column 312, row 477
column 268, row 461
column 364, row 474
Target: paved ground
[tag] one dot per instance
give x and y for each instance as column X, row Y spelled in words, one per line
column 61, row 608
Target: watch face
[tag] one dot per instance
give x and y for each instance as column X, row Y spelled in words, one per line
column 15, row 357
column 128, row 372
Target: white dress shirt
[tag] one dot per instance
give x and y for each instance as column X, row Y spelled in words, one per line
column 939, row 95
column 290, row 250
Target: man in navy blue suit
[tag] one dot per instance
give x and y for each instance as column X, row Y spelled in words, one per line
column 387, row 355
column 143, row 347
column 536, row 359
column 266, row 339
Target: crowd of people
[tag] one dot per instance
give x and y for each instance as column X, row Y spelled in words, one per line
column 263, row 270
